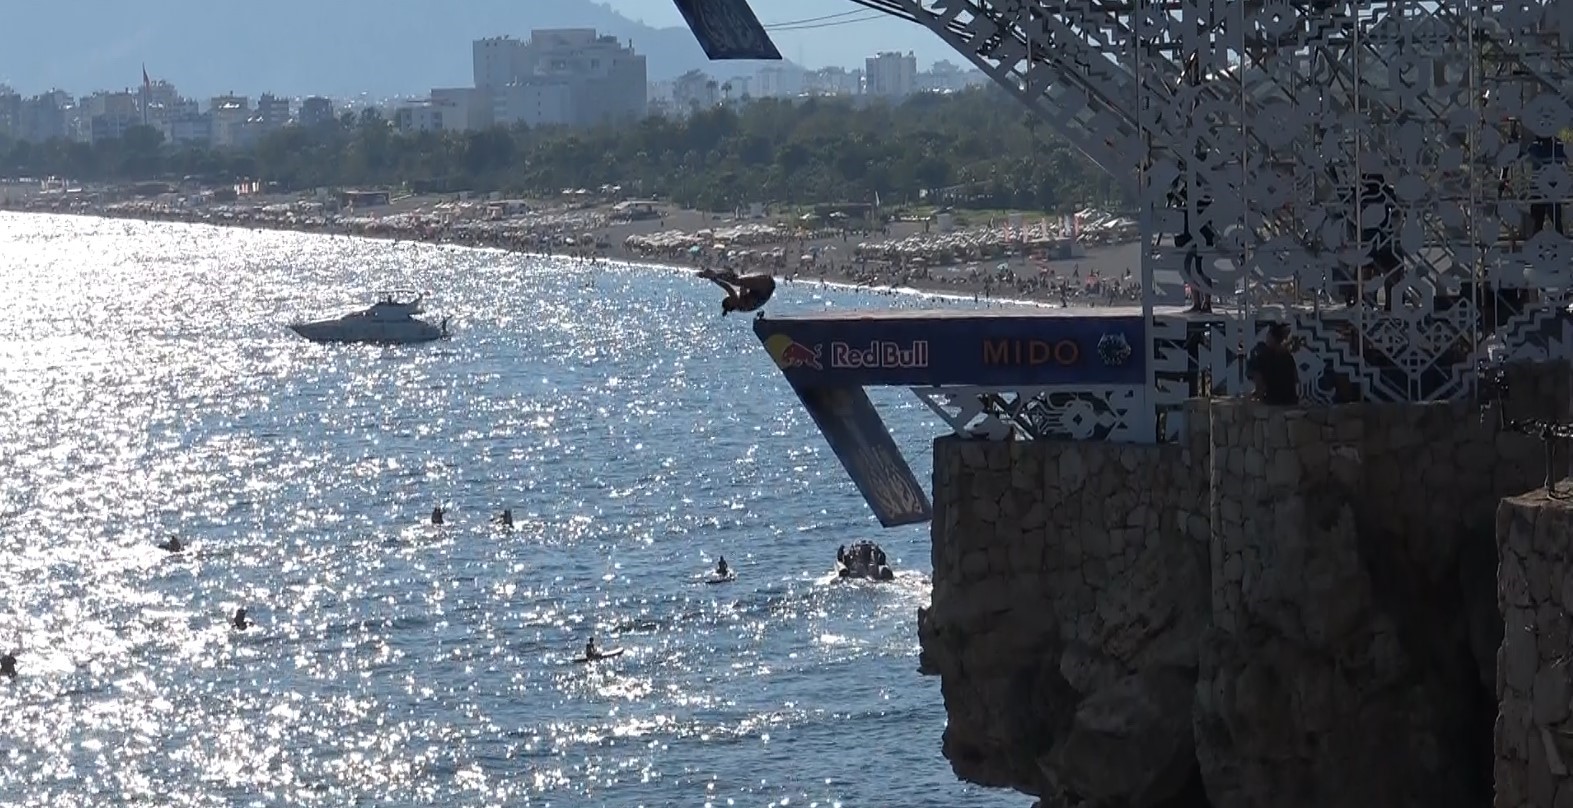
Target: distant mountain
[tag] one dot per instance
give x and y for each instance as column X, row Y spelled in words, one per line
column 340, row 48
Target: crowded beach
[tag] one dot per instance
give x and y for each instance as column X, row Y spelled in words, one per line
column 1091, row 258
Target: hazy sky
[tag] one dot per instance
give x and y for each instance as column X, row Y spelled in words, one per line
column 381, row 47
column 841, row 40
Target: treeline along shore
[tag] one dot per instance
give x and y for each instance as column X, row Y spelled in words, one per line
column 782, row 169
column 977, row 148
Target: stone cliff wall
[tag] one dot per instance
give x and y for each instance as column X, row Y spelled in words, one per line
column 1288, row 607
column 1534, row 731
column 1351, row 650
column 1070, row 583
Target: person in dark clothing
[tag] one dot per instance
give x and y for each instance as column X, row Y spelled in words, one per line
column 1542, row 152
column 1372, row 216
column 1201, row 299
column 1272, row 368
column 743, row 292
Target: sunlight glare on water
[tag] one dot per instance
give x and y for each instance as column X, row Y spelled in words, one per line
column 148, row 388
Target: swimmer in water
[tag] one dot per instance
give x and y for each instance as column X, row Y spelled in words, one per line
column 436, row 515
column 239, row 621
column 743, row 292
column 173, row 545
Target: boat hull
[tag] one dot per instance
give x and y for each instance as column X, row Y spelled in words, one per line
column 866, row 573
column 369, row 332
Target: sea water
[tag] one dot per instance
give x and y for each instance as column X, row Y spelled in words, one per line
column 148, row 388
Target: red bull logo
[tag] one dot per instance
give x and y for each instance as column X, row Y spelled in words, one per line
column 790, row 354
column 880, row 354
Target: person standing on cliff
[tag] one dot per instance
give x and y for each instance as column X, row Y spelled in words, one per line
column 1272, row 369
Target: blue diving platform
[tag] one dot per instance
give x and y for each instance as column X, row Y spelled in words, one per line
column 830, row 358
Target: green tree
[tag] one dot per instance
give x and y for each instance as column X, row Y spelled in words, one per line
column 974, row 148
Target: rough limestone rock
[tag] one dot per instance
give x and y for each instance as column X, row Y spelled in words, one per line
column 1339, row 667
column 1131, row 740
column 1534, row 734
column 1070, row 592
column 1286, row 608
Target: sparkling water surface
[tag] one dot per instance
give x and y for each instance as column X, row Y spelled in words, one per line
column 148, row 387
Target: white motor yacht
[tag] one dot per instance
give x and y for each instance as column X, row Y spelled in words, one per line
column 391, row 320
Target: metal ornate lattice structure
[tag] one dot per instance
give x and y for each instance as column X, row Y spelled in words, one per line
column 1389, row 178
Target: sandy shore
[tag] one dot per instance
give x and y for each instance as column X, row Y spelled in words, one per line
column 982, row 263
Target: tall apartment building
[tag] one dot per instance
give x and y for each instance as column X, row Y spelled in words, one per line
column 228, row 115
column 107, row 116
column 160, row 100
column 10, row 112
column 466, row 108
column 45, row 117
column 833, row 81
column 316, row 111
column 273, row 112
column 186, row 124
column 778, row 82
column 891, row 75
column 567, row 76
column 451, row 109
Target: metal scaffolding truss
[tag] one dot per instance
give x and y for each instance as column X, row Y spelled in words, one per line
column 1036, row 413
column 1388, row 178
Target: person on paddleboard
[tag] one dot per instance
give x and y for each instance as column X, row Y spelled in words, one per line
column 721, row 569
column 239, row 621
column 590, row 651
column 743, row 292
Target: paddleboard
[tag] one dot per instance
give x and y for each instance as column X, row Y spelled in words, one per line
column 728, row 579
column 615, row 652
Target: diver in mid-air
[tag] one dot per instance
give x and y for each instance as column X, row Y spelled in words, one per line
column 743, row 292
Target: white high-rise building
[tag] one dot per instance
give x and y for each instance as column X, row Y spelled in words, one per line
column 228, row 114
column 778, row 82
column 538, row 102
column 603, row 79
column 467, row 108
column 891, row 75
column 497, row 61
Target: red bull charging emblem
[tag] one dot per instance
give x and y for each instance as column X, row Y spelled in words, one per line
column 790, row 354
